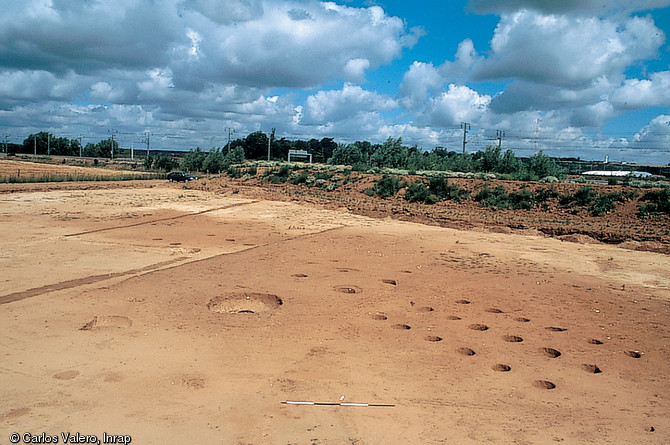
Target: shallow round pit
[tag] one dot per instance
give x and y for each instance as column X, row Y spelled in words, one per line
column 592, row 369
column 512, row 338
column 433, row 338
column 550, row 352
column 494, row 310
column 299, row 275
column 453, row 317
column 543, row 384
column 463, row 301
column 501, row 368
column 425, row 309
column 595, row 341
column 244, row 303
column 107, row 322
column 633, row 354
column 389, row 281
column 465, row 351
column 555, row 329
column 66, row 375
column 380, row 317
column 402, row 327
column 522, row 319
column 348, row 289
column 478, row 327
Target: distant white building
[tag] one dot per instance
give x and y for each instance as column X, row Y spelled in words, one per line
column 618, row 174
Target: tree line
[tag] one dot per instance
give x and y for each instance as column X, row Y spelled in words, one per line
column 361, row 155
column 44, row 143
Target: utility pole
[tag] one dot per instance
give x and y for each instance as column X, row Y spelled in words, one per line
column 35, row 145
column 537, row 133
column 48, row 143
column 132, row 147
column 112, row 132
column 465, row 126
column 500, row 135
column 81, row 148
column 6, row 136
column 230, row 132
column 147, row 140
column 272, row 135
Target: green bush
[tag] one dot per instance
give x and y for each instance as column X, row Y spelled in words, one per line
column 300, row 178
column 388, row 186
column 278, row 176
column 441, row 188
column 323, row 175
column 497, row 197
column 604, row 203
column 542, row 194
column 582, row 197
column 658, row 201
column 418, row 192
column 524, row 200
column 233, row 172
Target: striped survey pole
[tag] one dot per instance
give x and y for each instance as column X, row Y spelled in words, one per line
column 309, row 403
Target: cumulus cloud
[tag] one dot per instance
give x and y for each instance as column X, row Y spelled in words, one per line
column 656, row 133
column 250, row 42
column 422, row 80
column 558, row 50
column 595, row 7
column 225, row 13
column 294, row 44
column 63, row 35
column 643, row 93
column 351, row 102
column 458, row 104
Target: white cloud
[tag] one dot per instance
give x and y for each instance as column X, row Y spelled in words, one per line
column 227, row 12
column 105, row 93
column 458, row 104
column 596, row 7
column 294, row 44
column 354, row 69
column 643, row 93
column 88, row 37
column 422, row 80
column 349, row 103
column 657, row 133
column 558, row 50
column 157, row 85
column 466, row 60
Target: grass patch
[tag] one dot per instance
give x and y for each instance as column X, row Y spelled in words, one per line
column 78, row 178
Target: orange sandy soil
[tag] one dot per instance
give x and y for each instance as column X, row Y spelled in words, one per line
column 178, row 316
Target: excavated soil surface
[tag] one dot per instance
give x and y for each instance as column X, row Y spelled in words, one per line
column 169, row 314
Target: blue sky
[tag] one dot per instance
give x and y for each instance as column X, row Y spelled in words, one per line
column 587, row 78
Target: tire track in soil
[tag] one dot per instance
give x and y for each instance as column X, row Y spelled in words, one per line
column 153, row 221
column 69, row 284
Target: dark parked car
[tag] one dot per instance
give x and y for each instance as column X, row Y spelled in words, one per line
column 180, row 177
